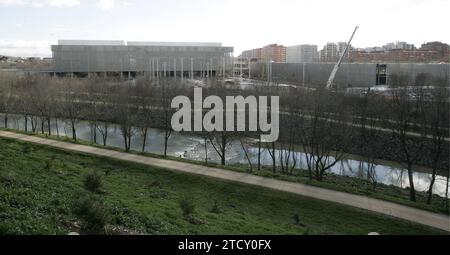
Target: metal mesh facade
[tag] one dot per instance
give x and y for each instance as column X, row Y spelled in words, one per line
column 356, row 74
column 129, row 58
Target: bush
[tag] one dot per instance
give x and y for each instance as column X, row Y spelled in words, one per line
column 92, row 213
column 296, row 219
column 216, row 208
column 187, row 205
column 26, row 149
column 94, row 182
column 48, row 164
column 8, row 179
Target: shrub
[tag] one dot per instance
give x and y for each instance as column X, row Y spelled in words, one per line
column 26, row 149
column 7, row 179
column 195, row 221
column 92, row 213
column 93, row 182
column 216, row 208
column 296, row 219
column 48, row 164
column 187, row 205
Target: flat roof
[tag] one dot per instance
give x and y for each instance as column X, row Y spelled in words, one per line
column 91, row 42
column 176, row 44
column 136, row 43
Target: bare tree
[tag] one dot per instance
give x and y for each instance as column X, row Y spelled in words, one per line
column 221, row 142
column 70, row 107
column 168, row 90
column 106, row 105
column 247, row 156
column 125, row 113
column 93, row 95
column 408, row 113
column 437, row 120
column 6, row 96
column 324, row 136
column 145, row 92
column 273, row 156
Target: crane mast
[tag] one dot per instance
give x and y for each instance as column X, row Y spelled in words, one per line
column 338, row 64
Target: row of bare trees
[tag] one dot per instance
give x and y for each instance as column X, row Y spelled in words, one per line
column 324, row 124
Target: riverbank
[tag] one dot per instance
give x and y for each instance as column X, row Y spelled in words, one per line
column 41, row 184
column 331, row 181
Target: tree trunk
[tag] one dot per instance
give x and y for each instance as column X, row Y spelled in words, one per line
column 49, row 127
column 223, row 148
column 166, row 138
column 95, row 132
column 129, row 141
column 412, row 190
column 34, row 123
column 105, row 134
column 274, row 163
column 259, row 153
column 57, row 128
column 42, row 125
column 74, row 133
column 446, row 191
column 206, row 151
column 144, row 141
column 125, row 137
column 430, row 189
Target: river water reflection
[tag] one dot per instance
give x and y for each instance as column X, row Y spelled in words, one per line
column 192, row 147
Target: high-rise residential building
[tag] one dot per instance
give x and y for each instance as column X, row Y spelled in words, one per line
column 341, row 47
column 252, row 55
column 274, row 52
column 442, row 50
column 400, row 52
column 271, row 52
column 329, row 53
column 302, row 54
column 398, row 46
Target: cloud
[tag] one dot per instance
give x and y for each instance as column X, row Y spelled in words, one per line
column 41, row 3
column 22, row 48
column 106, row 5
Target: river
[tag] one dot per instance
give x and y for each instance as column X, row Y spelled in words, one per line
column 192, row 147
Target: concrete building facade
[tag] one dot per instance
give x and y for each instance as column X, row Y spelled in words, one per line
column 271, row 52
column 329, row 53
column 149, row 58
column 302, row 54
column 274, row 52
column 357, row 74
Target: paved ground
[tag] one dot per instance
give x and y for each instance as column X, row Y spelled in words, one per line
column 375, row 205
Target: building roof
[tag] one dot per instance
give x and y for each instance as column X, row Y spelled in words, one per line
column 135, row 43
column 91, row 42
column 176, row 44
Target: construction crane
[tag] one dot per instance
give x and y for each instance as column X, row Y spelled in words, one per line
column 338, row 64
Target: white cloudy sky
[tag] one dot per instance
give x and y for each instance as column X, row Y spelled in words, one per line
column 28, row 27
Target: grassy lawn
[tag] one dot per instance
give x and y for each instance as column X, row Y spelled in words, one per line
column 39, row 187
column 331, row 181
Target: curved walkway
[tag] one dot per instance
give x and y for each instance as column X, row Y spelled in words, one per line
column 400, row 211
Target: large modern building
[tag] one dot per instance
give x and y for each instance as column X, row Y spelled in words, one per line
column 147, row 58
column 356, row 74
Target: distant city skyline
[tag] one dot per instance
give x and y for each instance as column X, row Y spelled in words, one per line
column 29, row 27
